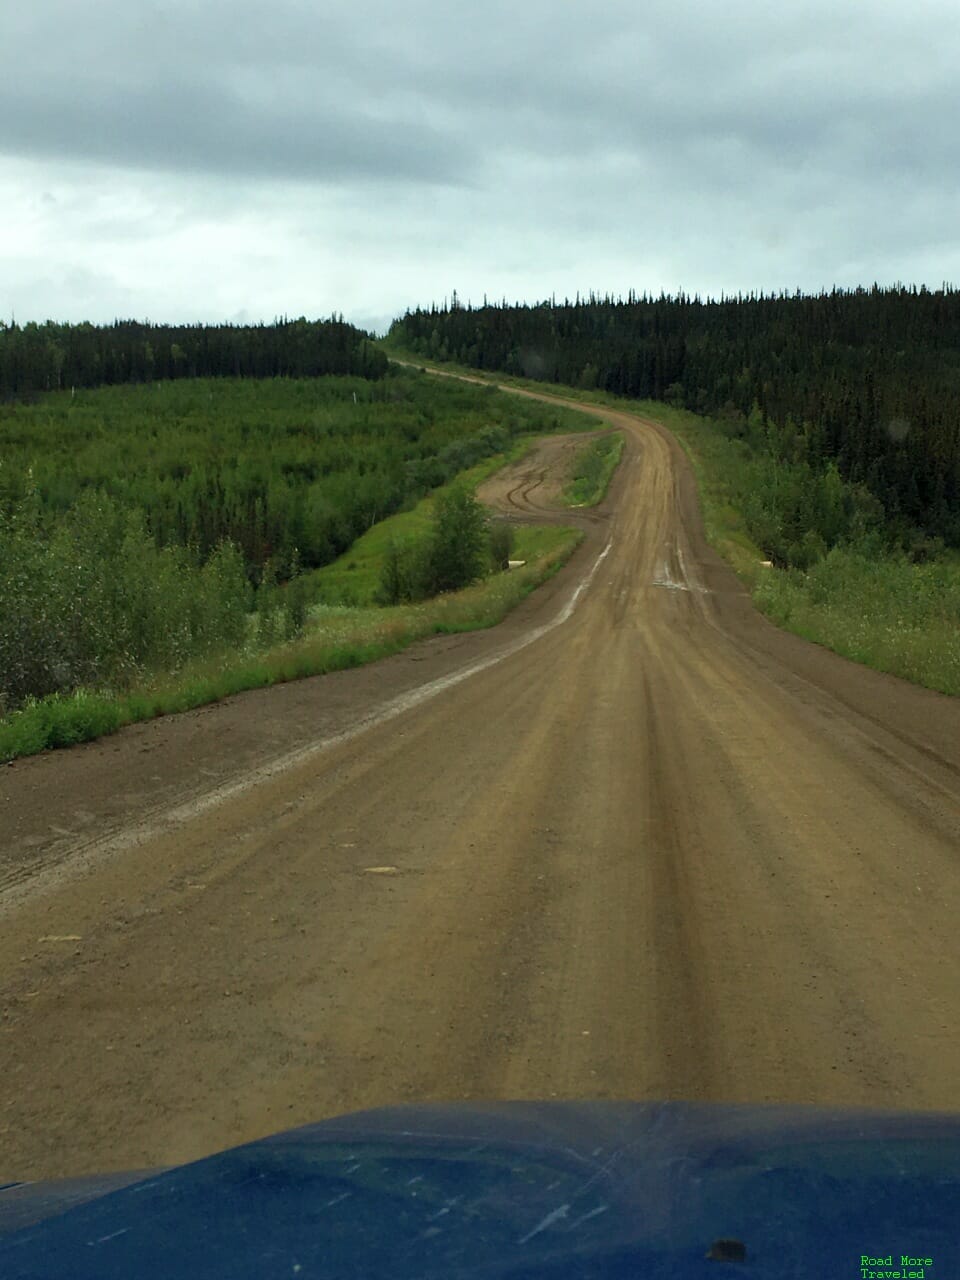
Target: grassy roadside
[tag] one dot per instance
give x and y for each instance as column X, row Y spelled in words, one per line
column 593, row 470
column 336, row 637
column 877, row 609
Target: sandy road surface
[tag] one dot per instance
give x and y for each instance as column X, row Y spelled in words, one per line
column 657, row 850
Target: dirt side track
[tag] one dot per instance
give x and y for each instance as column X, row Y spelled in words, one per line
column 658, row 849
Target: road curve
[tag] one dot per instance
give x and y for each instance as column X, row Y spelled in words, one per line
column 633, row 843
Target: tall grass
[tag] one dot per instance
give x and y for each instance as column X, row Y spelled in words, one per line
column 887, row 613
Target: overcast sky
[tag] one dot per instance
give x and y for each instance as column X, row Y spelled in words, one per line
column 204, row 160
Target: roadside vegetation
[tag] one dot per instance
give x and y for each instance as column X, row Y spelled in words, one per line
column 164, row 545
column 841, row 574
column 334, row 637
column 354, row 578
column 592, row 470
column 292, row 471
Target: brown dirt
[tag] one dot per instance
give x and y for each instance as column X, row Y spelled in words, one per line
column 536, row 483
column 658, row 850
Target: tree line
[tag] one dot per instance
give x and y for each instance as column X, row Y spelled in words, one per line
column 52, row 357
column 868, row 379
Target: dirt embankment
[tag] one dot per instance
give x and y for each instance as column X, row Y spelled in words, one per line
column 533, row 488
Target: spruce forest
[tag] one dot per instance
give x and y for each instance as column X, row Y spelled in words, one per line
column 51, row 357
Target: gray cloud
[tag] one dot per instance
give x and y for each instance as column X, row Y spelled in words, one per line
column 201, row 127
column 418, row 91
column 218, row 158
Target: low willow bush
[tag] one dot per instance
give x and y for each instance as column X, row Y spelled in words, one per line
column 333, row 639
column 94, row 601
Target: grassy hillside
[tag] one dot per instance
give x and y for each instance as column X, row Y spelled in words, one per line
column 103, row 622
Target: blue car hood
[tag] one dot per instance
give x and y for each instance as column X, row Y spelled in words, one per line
column 521, row 1189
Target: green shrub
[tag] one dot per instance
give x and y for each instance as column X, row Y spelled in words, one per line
column 454, row 553
column 92, row 601
column 502, row 539
column 458, row 541
column 405, row 575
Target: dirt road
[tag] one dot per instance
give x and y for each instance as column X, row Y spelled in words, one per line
column 633, row 843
